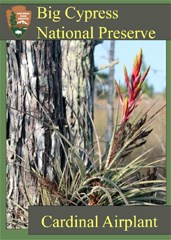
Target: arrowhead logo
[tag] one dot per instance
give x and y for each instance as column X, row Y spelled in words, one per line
column 18, row 19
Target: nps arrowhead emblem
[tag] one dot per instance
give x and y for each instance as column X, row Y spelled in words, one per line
column 18, row 19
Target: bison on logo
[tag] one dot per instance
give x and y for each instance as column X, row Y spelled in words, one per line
column 18, row 19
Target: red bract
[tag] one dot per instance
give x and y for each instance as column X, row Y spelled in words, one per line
column 131, row 101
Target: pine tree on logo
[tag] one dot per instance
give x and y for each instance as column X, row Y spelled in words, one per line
column 13, row 21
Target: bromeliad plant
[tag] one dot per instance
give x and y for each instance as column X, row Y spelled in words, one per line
column 109, row 180
column 129, row 103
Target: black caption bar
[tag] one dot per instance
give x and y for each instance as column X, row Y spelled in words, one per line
column 100, row 220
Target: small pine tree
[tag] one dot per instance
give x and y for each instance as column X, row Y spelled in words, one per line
column 13, row 20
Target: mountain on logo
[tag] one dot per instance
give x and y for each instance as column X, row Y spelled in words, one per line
column 18, row 19
column 22, row 22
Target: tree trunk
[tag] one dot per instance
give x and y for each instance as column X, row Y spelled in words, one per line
column 78, row 89
column 110, row 110
column 34, row 101
column 36, row 71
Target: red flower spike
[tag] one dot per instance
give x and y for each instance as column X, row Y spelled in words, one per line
column 137, row 64
column 139, row 59
column 135, row 70
column 133, row 97
column 126, row 77
column 136, row 81
column 125, row 110
column 144, row 75
column 133, row 88
column 119, row 92
column 137, row 90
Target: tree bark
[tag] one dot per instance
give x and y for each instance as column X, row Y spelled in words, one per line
column 46, row 86
column 110, row 110
column 34, row 101
column 78, row 89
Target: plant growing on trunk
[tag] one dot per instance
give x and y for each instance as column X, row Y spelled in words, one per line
column 109, row 180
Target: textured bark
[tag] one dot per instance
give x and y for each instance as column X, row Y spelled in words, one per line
column 34, row 99
column 110, row 110
column 78, row 89
column 36, row 71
